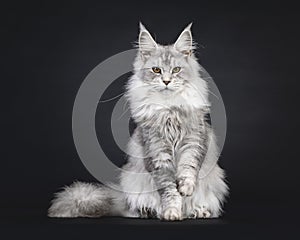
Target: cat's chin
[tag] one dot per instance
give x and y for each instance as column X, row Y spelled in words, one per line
column 167, row 91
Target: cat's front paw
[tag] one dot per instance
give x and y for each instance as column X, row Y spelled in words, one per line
column 186, row 187
column 172, row 214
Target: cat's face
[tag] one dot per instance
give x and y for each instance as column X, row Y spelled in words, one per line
column 165, row 69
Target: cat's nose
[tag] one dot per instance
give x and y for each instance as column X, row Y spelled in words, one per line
column 166, row 82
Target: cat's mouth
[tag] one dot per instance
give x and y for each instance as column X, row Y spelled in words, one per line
column 166, row 89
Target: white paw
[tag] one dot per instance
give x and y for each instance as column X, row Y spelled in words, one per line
column 172, row 214
column 186, row 187
column 200, row 212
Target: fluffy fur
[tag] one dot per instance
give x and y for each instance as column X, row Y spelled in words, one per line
column 172, row 147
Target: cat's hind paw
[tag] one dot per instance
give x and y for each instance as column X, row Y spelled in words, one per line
column 147, row 213
column 200, row 212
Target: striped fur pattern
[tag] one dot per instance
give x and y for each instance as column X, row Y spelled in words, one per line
column 172, row 144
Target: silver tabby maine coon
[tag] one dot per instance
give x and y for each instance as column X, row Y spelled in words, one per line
column 173, row 147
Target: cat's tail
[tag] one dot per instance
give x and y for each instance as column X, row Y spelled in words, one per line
column 87, row 200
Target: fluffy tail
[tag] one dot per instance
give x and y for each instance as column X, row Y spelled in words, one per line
column 86, row 200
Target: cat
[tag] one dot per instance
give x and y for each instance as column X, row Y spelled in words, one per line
column 173, row 146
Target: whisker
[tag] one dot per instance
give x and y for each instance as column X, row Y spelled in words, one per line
column 202, row 97
column 126, row 110
column 206, row 78
column 110, row 99
column 213, row 94
column 113, row 98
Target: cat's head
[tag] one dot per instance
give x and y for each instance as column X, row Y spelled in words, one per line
column 166, row 68
column 166, row 75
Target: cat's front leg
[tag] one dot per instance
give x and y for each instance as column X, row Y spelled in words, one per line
column 161, row 165
column 187, row 174
column 192, row 154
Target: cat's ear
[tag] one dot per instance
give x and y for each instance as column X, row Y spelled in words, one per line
column 184, row 43
column 147, row 45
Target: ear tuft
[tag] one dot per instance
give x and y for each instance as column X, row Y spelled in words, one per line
column 184, row 43
column 147, row 45
column 142, row 27
column 188, row 27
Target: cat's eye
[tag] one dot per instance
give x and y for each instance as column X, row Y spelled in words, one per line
column 176, row 69
column 156, row 70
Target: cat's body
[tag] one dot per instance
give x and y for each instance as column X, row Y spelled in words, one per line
column 173, row 148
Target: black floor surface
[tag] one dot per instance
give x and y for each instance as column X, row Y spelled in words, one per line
column 242, row 222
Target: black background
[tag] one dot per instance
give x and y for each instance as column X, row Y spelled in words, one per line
column 251, row 49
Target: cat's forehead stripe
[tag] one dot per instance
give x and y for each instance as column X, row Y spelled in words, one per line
column 159, row 61
column 166, row 58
